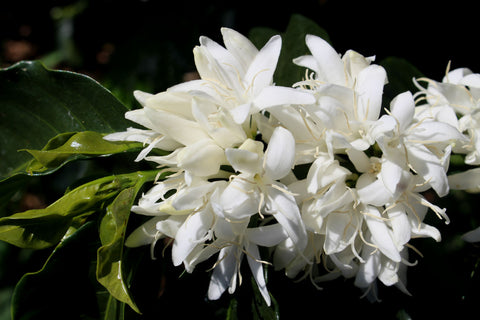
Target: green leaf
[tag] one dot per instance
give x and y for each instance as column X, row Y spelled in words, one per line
column 37, row 104
column 64, row 288
column 260, row 309
column 112, row 235
column 71, row 146
column 42, row 228
column 287, row 73
column 232, row 310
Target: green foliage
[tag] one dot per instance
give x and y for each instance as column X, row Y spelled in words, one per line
column 42, row 228
column 71, row 146
column 37, row 104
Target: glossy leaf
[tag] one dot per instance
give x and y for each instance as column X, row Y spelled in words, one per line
column 112, row 235
column 72, row 146
column 37, row 104
column 293, row 46
column 42, row 228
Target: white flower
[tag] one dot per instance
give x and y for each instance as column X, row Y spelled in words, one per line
column 256, row 189
column 422, row 145
column 239, row 78
column 233, row 240
column 349, row 93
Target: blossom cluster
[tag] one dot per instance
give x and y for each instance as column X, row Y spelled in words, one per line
column 315, row 176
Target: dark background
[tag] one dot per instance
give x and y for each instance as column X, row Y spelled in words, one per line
column 128, row 45
column 123, row 42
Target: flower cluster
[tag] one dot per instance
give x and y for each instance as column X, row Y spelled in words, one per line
column 317, row 173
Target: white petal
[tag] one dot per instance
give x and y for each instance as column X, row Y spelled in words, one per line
column 434, row 132
column 239, row 46
column 239, row 199
column 178, row 103
column 189, row 235
column 202, row 158
column 391, row 175
column 169, row 125
column 427, row 164
column 472, row 236
column 145, row 234
column 306, row 61
column 286, row 212
column 280, row 154
column 276, row 96
column 381, row 234
column 467, row 180
column 373, row 193
column 244, row 160
column 425, row 230
column 330, row 67
column 369, row 88
column 388, row 274
column 240, row 113
column 402, row 108
column 260, row 71
column 253, row 258
column 142, row 97
column 267, row 236
column 170, row 226
column 369, row 270
column 223, row 273
column 400, row 225
column 193, row 197
column 341, row 231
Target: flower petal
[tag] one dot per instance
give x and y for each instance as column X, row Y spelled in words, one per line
column 277, row 95
column 239, row 46
column 202, row 158
column 280, row 154
column 381, row 234
column 189, row 235
column 330, row 67
column 253, row 258
column 223, row 273
column 467, row 180
column 168, row 124
column 267, row 236
column 260, row 72
column 286, row 212
column 244, row 160
column 402, row 108
column 369, row 87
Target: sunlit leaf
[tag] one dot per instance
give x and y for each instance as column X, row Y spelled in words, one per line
column 42, row 228
column 72, row 146
column 112, row 235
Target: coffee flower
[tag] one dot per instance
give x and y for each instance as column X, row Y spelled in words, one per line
column 233, row 145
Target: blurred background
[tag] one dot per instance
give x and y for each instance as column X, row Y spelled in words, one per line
column 147, row 45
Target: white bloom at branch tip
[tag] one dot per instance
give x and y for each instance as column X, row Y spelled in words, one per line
column 233, row 138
